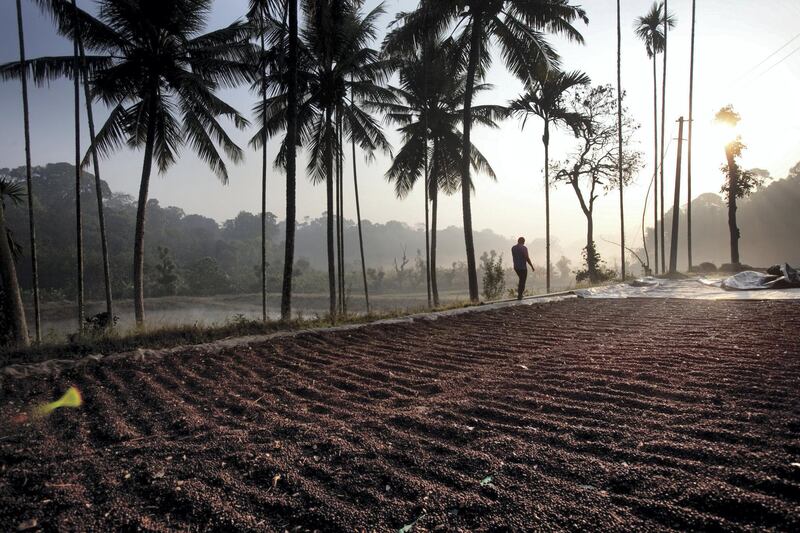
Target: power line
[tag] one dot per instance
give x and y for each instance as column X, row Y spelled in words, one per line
column 770, row 56
column 793, row 52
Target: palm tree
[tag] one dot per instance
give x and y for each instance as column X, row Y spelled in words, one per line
column 429, row 113
column 689, row 146
column 76, row 76
column 649, row 28
column 12, row 299
column 518, row 26
column 544, row 98
column 28, row 177
column 334, row 46
column 159, row 75
column 259, row 11
column 290, row 160
column 667, row 22
column 619, row 141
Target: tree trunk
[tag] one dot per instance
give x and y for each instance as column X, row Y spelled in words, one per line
column 689, row 147
column 733, row 189
column 78, row 214
column 546, row 141
column 676, row 206
column 663, row 134
column 340, row 219
column 11, row 292
column 330, row 208
column 591, row 261
column 427, row 218
column 263, row 73
column 655, row 167
column 291, row 166
column 434, row 216
column 619, row 141
column 360, row 234
column 144, row 186
column 98, row 187
column 474, row 55
column 29, row 179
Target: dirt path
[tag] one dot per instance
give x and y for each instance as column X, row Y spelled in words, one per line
column 595, row 415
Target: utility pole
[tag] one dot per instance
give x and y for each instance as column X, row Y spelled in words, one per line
column 689, row 158
column 676, row 205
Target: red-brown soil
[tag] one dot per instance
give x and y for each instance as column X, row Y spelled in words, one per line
column 584, row 414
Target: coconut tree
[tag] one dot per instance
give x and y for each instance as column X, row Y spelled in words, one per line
column 667, row 22
column 689, row 146
column 28, row 177
column 429, row 114
column 620, row 178
column 519, row 28
column 259, row 15
column 12, row 299
column 650, row 29
column 337, row 68
column 159, row 74
column 544, row 97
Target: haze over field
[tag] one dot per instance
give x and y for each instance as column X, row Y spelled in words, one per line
column 728, row 70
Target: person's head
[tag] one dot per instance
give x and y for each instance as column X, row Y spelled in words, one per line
column 521, row 240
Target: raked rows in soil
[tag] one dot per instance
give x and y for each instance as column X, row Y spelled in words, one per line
column 613, row 415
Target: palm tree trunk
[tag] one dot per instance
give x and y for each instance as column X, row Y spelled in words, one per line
column 546, row 141
column 360, row 234
column 263, row 73
column 330, row 207
column 655, row 165
column 291, row 166
column 78, row 213
column 474, row 55
column 676, row 206
column 689, row 148
column 29, row 178
column 11, row 292
column 144, row 186
column 663, row 124
column 733, row 188
column 98, row 186
column 434, row 216
column 619, row 141
column 340, row 210
column 427, row 223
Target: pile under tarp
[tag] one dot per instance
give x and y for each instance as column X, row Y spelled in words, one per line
column 748, row 285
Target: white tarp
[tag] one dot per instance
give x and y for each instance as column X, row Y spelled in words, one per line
column 748, row 287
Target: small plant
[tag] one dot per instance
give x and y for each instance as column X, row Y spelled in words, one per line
column 494, row 278
column 596, row 270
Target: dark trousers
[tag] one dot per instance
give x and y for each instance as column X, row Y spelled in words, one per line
column 523, row 276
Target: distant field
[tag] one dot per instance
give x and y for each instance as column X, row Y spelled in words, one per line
column 595, row 415
column 59, row 318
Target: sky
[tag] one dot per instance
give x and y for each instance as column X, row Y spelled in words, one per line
column 747, row 53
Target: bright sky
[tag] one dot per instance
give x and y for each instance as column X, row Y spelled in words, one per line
column 733, row 38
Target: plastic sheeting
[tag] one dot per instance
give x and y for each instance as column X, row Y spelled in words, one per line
column 743, row 286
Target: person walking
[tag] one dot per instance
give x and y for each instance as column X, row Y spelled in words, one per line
column 519, row 254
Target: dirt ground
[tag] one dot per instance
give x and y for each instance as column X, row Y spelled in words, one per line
column 582, row 415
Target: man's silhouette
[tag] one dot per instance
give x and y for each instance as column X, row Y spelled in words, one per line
column 519, row 254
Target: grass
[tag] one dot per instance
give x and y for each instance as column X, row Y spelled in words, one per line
column 117, row 340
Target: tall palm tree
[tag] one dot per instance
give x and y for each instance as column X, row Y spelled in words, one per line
column 544, row 97
column 519, row 27
column 290, row 162
column 689, row 146
column 258, row 12
column 76, row 76
column 28, row 177
column 429, row 113
column 649, row 28
column 160, row 75
column 12, row 298
column 335, row 46
column 667, row 22
column 619, row 141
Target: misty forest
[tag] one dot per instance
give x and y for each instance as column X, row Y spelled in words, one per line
column 410, row 265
